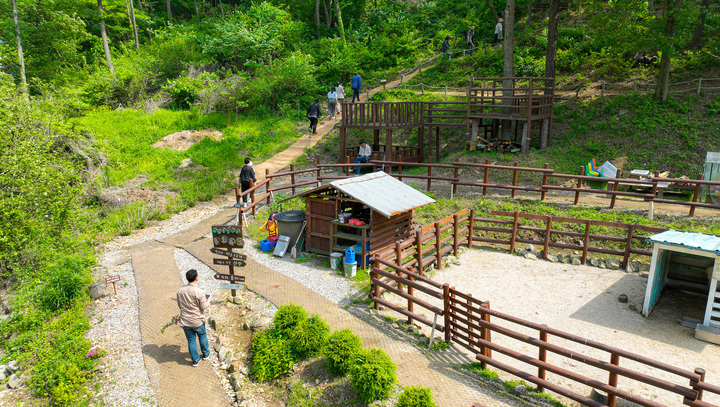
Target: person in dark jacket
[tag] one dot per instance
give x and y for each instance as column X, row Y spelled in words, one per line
column 469, row 39
column 356, row 85
column 445, row 48
column 314, row 113
column 247, row 173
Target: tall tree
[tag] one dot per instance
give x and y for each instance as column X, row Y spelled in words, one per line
column 492, row 10
column 696, row 41
column 668, row 13
column 103, row 34
column 552, row 37
column 131, row 11
column 341, row 27
column 21, row 58
column 169, row 10
column 317, row 18
column 197, row 12
column 530, row 12
column 508, row 71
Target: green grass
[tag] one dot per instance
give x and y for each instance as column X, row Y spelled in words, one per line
column 509, row 385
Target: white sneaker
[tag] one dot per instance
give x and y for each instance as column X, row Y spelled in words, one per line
column 244, row 205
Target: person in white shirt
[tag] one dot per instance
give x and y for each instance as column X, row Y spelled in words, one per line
column 364, row 154
column 498, row 31
column 340, row 95
column 332, row 100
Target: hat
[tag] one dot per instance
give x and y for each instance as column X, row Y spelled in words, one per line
column 500, row 20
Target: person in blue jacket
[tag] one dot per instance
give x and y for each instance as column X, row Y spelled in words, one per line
column 355, row 85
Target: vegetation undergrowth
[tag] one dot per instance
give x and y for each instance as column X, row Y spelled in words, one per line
column 509, row 385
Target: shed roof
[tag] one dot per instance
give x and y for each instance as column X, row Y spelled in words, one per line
column 691, row 240
column 383, row 193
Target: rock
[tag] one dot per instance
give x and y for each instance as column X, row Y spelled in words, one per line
column 631, row 307
column 530, row 256
column 644, row 267
column 612, row 263
column 553, row 258
column 530, row 248
column 575, row 252
column 228, row 358
column 395, row 325
column 633, row 267
column 14, row 381
column 521, row 390
column 623, row 298
column 412, row 329
column 185, row 163
column 13, row 367
column 4, row 373
column 644, row 274
column 257, row 322
column 217, row 345
column 235, row 382
column 381, row 308
column 567, row 260
column 240, row 396
column 222, row 353
column 602, row 265
column 231, row 368
column 575, row 261
column 97, row 290
column 238, row 300
column 245, row 403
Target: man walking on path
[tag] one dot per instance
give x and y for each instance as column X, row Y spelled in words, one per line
column 445, row 48
column 356, row 85
column 469, row 37
column 340, row 95
column 498, row 32
column 247, row 173
column 314, row 113
column 193, row 302
column 332, row 103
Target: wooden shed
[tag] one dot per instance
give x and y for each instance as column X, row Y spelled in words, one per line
column 384, row 204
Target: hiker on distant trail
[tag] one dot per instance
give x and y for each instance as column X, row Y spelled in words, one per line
column 314, row 113
column 364, row 154
column 332, row 102
column 445, row 48
column 498, row 31
column 340, row 95
column 247, row 173
column 469, row 37
column 356, row 85
column 193, row 302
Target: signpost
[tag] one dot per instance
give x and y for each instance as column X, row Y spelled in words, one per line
column 113, row 279
column 225, row 239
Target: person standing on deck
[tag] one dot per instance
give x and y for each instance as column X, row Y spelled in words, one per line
column 356, row 86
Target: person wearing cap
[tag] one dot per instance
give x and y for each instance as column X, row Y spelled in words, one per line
column 364, row 154
column 498, row 31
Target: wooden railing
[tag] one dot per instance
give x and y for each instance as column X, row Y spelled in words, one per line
column 382, row 114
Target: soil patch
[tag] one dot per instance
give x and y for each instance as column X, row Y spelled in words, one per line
column 183, row 140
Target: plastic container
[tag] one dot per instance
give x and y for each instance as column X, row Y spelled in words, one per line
column 335, row 260
column 265, row 245
column 290, row 223
column 358, row 253
column 350, row 255
column 350, row 269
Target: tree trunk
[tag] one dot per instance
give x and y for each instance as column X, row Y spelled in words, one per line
column 552, row 37
column 663, row 81
column 197, row 11
column 103, row 34
column 328, row 13
column 134, row 24
column 341, row 27
column 222, row 10
column 492, row 10
column 317, row 18
column 169, row 10
column 21, row 58
column 530, row 10
column 139, row 5
column 508, row 71
column 696, row 41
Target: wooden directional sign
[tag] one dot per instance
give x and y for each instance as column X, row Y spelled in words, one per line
column 229, row 277
column 232, row 286
column 229, row 254
column 228, row 262
column 227, row 236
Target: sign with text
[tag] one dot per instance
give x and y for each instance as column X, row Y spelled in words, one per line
column 112, row 279
column 228, row 253
column 227, row 236
column 232, row 286
column 229, row 277
column 228, row 262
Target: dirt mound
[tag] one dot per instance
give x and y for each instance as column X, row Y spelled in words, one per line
column 183, row 140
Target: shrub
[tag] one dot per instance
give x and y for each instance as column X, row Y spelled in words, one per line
column 340, row 348
column 372, row 374
column 308, row 337
column 416, row 396
column 287, row 318
column 66, row 282
column 271, row 356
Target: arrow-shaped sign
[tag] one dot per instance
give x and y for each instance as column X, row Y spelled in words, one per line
column 232, row 286
column 229, row 277
column 227, row 262
column 228, row 253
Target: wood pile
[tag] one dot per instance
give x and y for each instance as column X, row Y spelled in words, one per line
column 501, row 146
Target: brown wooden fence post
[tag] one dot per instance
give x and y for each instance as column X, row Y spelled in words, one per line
column 470, row 333
column 628, row 246
column 373, row 286
column 446, row 311
column 429, row 180
column 586, row 242
column 419, row 253
column 456, row 228
column 696, row 195
column 347, row 168
column 544, row 182
column 252, row 197
column 410, row 303
column 548, row 231
column 486, row 178
column 319, row 171
column 240, row 209
column 515, row 175
column 486, row 332
column 398, row 261
column 700, row 372
column 542, row 356
column 513, row 236
column 457, row 179
column 614, row 186
column 471, row 226
column 579, row 185
column 438, row 247
column 612, row 380
column 292, row 177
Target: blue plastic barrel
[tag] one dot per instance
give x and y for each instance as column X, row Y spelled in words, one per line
column 265, row 245
column 349, row 255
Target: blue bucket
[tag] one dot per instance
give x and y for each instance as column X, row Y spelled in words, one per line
column 349, row 255
column 265, row 245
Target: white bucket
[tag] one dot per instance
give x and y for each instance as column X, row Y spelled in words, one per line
column 350, row 269
column 335, row 260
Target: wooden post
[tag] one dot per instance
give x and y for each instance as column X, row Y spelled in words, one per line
column 429, row 180
column 437, row 143
column 696, row 195
column 470, row 333
column 612, row 380
column 237, row 199
column 542, row 356
column 438, row 256
column 267, row 187
column 487, row 176
column 341, row 147
column 252, row 197
column 399, row 167
column 446, row 311
column 700, row 372
column 628, row 245
column 388, row 145
column 548, row 231
column 373, row 286
column 456, row 228
column 652, row 201
column 486, row 331
column 319, row 171
column 515, row 175
column 544, row 182
column 410, row 303
column 514, row 233
column 699, row 88
column 376, row 139
column 347, row 167
column 471, row 226
column 579, row 185
column 586, row 241
column 419, row 253
column 292, row 177
column 614, row 187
